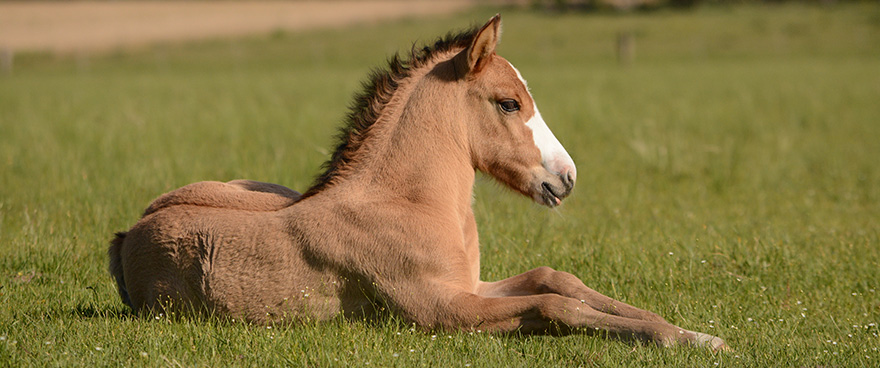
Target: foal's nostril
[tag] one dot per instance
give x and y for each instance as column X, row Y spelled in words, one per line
column 568, row 181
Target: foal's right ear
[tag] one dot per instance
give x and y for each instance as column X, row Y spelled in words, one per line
column 483, row 45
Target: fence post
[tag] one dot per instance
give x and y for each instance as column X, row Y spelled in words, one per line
column 6, row 56
column 626, row 47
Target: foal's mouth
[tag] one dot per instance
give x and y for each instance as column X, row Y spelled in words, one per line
column 552, row 196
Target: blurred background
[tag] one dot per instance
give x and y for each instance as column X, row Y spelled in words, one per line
column 90, row 26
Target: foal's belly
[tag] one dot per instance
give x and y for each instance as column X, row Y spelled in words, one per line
column 238, row 264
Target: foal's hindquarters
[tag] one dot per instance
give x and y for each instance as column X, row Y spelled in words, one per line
column 234, row 263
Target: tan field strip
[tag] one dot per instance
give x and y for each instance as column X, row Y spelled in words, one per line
column 88, row 26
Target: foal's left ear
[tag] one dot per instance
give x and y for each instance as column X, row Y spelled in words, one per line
column 483, row 45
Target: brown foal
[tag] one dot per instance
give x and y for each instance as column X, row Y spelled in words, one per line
column 389, row 224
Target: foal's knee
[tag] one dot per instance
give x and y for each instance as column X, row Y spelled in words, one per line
column 544, row 279
column 548, row 280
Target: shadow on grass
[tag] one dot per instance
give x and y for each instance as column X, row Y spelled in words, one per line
column 90, row 310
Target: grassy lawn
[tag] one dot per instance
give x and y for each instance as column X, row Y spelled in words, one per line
column 729, row 180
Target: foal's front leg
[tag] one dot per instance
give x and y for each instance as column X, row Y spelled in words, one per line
column 545, row 280
column 546, row 312
column 542, row 313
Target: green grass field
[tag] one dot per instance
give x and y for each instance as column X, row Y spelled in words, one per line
column 729, row 180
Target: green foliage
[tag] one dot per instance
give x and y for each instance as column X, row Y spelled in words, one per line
column 728, row 180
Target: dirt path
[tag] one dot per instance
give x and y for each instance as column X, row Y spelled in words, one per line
column 89, row 26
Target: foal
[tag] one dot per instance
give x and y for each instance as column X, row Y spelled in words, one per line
column 389, row 224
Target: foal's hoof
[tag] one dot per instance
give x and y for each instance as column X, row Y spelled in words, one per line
column 711, row 342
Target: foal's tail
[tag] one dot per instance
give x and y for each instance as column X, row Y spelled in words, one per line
column 116, row 266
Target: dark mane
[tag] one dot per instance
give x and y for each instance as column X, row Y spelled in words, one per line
column 369, row 104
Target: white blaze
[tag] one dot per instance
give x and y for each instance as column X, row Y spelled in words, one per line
column 553, row 156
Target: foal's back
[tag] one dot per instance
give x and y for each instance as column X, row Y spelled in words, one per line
column 237, row 194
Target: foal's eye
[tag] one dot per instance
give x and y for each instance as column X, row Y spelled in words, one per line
column 509, row 105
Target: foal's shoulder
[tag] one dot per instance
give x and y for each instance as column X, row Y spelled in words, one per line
column 245, row 195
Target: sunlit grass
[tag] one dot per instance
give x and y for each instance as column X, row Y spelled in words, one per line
column 728, row 179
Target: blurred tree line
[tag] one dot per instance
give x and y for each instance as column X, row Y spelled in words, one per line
column 585, row 5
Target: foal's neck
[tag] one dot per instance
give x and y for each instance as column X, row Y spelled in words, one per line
column 418, row 151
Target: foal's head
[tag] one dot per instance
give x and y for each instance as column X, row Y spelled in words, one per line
column 508, row 138
column 492, row 114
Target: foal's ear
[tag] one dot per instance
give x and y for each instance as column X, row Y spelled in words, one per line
column 483, row 45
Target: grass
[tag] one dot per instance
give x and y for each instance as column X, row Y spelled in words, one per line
column 728, row 180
